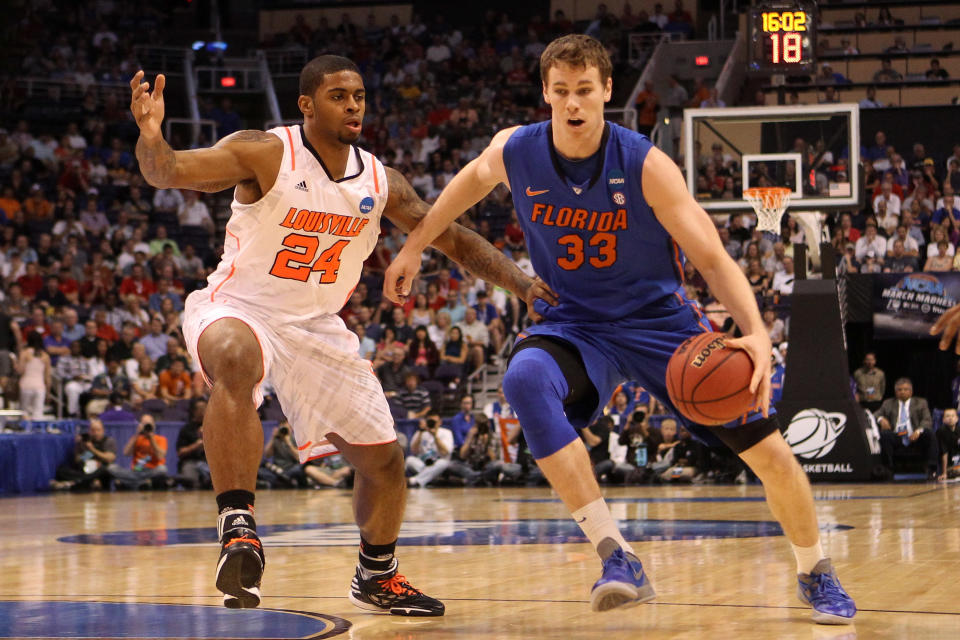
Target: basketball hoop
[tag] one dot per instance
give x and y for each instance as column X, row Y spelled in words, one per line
column 769, row 203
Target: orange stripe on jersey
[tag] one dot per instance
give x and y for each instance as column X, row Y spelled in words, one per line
column 233, row 267
column 306, row 446
column 348, row 296
column 376, row 182
column 700, row 320
column 676, row 261
column 293, row 156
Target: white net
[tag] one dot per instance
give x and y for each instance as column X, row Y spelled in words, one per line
column 769, row 203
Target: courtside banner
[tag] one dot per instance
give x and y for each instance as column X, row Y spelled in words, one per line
column 905, row 305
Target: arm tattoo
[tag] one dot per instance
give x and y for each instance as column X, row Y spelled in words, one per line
column 465, row 247
column 250, row 135
column 157, row 161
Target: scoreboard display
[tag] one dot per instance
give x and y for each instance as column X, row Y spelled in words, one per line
column 781, row 38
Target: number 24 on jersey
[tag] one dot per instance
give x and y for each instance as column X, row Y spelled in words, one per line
column 296, row 262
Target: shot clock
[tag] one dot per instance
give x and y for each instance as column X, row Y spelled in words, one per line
column 782, row 38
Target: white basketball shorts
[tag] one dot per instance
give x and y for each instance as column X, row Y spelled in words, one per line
column 323, row 384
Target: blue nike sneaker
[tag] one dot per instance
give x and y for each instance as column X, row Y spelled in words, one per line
column 821, row 590
column 623, row 583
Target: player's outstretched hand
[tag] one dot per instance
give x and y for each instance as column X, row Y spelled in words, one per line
column 398, row 279
column 147, row 108
column 948, row 325
column 757, row 346
column 538, row 289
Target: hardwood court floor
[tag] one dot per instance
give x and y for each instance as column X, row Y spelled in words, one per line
column 499, row 560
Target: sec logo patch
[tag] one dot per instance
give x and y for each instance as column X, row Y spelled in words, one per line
column 366, row 205
column 619, row 198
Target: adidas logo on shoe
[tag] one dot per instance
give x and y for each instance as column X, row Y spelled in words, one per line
column 239, row 521
column 302, row 186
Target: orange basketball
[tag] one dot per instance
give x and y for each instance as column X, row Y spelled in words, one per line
column 708, row 382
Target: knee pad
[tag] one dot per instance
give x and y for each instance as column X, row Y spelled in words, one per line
column 535, row 387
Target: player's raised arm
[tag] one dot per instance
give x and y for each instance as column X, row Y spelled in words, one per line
column 685, row 220
column 244, row 156
column 467, row 188
column 467, row 248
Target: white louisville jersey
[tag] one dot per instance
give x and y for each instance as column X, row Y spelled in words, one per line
column 297, row 253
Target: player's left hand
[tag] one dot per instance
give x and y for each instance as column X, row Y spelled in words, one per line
column 398, row 278
column 948, row 325
column 539, row 289
column 758, row 347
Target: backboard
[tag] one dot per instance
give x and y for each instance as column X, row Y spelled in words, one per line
column 814, row 150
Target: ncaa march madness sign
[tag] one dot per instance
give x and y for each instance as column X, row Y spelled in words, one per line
column 905, row 305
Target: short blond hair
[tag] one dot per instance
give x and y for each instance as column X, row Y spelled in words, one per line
column 576, row 50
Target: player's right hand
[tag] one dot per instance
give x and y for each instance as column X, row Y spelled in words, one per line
column 948, row 325
column 398, row 279
column 147, row 107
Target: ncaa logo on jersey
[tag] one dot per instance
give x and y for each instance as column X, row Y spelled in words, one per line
column 366, row 205
column 619, row 198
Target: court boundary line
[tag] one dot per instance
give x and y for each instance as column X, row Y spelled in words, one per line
column 507, row 600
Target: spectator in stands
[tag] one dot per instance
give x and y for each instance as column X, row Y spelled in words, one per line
column 477, row 338
column 175, row 383
column 948, row 439
column 871, row 241
column 54, row 343
column 112, row 381
column 145, row 384
column 73, row 370
column 898, row 261
column 935, row 72
column 31, row 282
column 774, row 325
column 686, row 458
column 641, row 442
column 948, row 210
column 94, row 221
column 461, row 423
column 368, row 347
column 93, row 453
column 430, row 451
column 37, row 207
column 830, row 95
column 422, row 354
column 871, row 383
column 942, row 261
column 194, row 212
column 887, row 73
column 394, row 370
column 596, row 438
column 712, row 100
column 906, row 425
column 283, row 460
column 414, row 399
column 783, row 280
column 137, row 283
column 884, row 18
column 155, row 342
column 148, row 451
column 648, row 106
column 191, row 459
column 33, row 365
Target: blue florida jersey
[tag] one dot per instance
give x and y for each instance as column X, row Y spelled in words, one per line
column 597, row 244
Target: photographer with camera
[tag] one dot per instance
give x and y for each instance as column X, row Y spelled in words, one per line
column 430, row 451
column 480, row 452
column 148, row 451
column 283, row 460
column 93, row 452
column 641, row 442
column 192, row 469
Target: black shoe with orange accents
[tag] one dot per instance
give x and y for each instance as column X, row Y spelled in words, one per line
column 390, row 592
column 241, row 564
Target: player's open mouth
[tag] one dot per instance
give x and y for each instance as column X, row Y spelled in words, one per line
column 575, row 122
column 353, row 125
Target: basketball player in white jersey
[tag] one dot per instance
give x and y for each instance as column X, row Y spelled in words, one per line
column 306, row 214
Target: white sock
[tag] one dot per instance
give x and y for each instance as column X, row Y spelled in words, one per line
column 807, row 557
column 597, row 524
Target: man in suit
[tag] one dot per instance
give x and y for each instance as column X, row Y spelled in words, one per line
column 906, row 425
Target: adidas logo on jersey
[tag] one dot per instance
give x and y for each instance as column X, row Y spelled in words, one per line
column 302, row 186
column 239, row 521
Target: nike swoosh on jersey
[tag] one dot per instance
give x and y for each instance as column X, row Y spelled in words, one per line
column 531, row 192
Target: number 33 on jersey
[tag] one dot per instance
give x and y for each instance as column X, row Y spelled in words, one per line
column 597, row 243
column 300, row 249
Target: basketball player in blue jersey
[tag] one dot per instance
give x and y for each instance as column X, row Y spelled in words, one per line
column 608, row 223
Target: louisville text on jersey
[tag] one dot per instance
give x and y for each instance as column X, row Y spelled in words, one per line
column 322, row 222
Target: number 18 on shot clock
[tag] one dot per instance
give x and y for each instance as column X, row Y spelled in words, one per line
column 782, row 38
